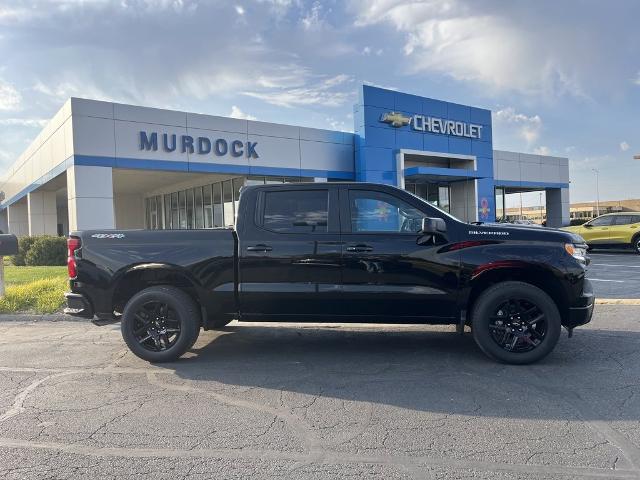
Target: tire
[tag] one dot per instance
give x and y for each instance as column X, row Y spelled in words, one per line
column 635, row 243
column 175, row 310
column 493, row 320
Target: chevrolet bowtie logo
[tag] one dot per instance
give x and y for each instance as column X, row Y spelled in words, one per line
column 395, row 119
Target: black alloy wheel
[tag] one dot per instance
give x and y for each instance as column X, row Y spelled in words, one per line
column 155, row 326
column 515, row 322
column 518, row 325
column 160, row 323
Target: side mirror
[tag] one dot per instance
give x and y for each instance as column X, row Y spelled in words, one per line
column 431, row 226
column 587, row 225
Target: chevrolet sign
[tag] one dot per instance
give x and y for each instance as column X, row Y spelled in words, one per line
column 423, row 123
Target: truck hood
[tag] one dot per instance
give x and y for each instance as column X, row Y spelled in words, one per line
column 522, row 232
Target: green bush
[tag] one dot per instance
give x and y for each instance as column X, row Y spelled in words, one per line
column 47, row 250
column 578, row 221
column 24, row 245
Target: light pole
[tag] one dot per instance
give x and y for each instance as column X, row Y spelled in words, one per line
column 597, row 192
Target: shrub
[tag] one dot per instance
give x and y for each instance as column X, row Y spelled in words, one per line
column 578, row 221
column 24, row 244
column 47, row 250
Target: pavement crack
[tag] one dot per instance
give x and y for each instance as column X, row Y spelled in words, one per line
column 18, row 402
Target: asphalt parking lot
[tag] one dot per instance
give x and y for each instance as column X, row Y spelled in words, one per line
column 615, row 274
column 264, row 401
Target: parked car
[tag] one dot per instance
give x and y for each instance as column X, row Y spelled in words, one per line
column 334, row 252
column 612, row 230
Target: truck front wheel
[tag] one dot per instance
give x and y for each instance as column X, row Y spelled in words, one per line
column 515, row 322
column 160, row 323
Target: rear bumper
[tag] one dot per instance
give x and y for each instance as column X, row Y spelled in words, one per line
column 78, row 305
column 581, row 311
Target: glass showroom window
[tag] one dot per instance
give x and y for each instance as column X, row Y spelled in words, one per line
column 199, row 219
column 218, row 220
column 227, row 200
column 500, row 203
column 207, row 206
column 182, row 209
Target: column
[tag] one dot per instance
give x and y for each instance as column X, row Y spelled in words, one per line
column 557, row 207
column 90, row 198
column 18, row 218
column 4, row 221
column 43, row 215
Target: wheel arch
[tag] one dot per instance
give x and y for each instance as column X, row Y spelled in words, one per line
column 137, row 278
column 545, row 279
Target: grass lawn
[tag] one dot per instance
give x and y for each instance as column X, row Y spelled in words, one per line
column 34, row 289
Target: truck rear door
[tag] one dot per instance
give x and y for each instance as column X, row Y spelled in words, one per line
column 290, row 253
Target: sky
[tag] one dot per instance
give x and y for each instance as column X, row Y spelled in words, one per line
column 561, row 78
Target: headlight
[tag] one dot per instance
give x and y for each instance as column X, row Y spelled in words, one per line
column 579, row 252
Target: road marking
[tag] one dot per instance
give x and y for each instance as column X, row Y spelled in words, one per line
column 17, row 408
column 617, row 301
column 611, row 265
column 604, row 280
column 329, row 457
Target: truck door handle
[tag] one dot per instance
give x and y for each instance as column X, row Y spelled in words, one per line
column 359, row 248
column 259, row 248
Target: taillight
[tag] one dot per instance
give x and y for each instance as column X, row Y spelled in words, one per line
column 73, row 244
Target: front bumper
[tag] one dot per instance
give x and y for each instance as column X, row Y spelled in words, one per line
column 581, row 311
column 78, row 305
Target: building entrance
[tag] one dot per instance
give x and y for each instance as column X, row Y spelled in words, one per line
column 438, row 194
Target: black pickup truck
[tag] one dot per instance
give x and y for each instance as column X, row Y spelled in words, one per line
column 334, row 252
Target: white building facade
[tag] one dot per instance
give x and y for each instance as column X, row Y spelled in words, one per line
column 102, row 165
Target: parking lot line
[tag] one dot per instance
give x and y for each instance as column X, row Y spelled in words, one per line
column 605, row 280
column 612, row 265
column 617, row 301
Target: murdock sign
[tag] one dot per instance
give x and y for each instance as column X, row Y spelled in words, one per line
column 199, row 145
column 423, row 123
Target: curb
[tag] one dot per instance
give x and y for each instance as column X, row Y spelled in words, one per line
column 38, row 317
column 617, row 301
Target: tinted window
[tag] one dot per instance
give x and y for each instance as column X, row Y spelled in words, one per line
column 623, row 219
column 296, row 211
column 635, row 218
column 381, row 212
column 602, row 221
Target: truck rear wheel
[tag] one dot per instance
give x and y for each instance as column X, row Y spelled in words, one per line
column 516, row 322
column 160, row 323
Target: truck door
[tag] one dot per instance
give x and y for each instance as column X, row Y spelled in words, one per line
column 289, row 254
column 387, row 275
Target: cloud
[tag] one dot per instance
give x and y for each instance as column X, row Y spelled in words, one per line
column 313, row 19
column 10, row 98
column 506, row 46
column 624, row 146
column 526, row 127
column 328, row 91
column 542, row 150
column 237, row 113
column 24, row 122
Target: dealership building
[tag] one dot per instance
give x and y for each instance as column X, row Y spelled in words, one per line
column 102, row 165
